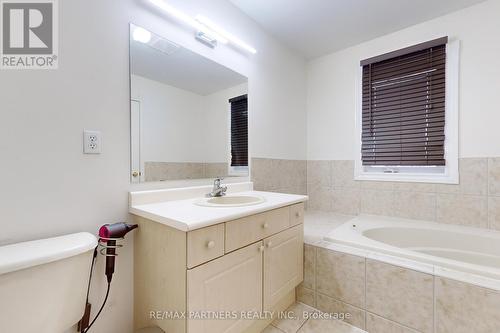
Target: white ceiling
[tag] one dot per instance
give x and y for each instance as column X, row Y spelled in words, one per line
column 318, row 27
column 181, row 68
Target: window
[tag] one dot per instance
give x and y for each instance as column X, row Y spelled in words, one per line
column 239, row 136
column 408, row 114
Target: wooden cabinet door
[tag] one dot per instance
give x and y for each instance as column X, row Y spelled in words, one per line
column 283, row 264
column 230, row 283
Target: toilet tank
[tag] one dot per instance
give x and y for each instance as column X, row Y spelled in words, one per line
column 43, row 283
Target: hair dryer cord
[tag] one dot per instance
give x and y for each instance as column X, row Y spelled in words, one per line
column 100, row 310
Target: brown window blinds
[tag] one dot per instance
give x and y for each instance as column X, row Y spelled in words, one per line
column 239, row 131
column 403, row 106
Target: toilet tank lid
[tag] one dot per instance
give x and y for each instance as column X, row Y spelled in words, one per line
column 23, row 255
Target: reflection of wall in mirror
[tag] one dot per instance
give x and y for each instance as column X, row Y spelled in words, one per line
column 184, row 135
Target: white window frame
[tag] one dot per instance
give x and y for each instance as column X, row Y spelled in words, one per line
column 448, row 174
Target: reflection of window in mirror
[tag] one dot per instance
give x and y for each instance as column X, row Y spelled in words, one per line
column 238, row 161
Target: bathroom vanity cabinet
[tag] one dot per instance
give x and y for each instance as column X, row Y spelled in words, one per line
column 183, row 280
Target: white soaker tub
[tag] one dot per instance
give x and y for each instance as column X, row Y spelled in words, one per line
column 463, row 253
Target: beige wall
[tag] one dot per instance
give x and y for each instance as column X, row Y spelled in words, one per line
column 331, row 84
column 50, row 188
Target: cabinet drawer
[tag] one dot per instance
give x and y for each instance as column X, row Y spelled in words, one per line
column 297, row 214
column 250, row 229
column 205, row 244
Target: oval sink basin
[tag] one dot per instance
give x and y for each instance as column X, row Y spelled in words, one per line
column 231, row 201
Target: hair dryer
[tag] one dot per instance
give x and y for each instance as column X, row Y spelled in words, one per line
column 108, row 234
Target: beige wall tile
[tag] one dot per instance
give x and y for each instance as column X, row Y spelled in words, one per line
column 376, row 185
column 400, row 294
column 473, row 178
column 376, row 324
column 319, row 173
column 305, row 295
column 464, row 308
column 353, row 315
column 343, row 174
column 494, row 176
column 158, row 171
column 341, row 276
column 414, row 187
column 448, row 188
column 153, row 171
column 263, row 173
column 289, row 173
column 377, row 202
column 415, row 205
column 302, row 189
column 213, row 170
column 462, row 209
column 278, row 175
column 309, row 266
column 494, row 213
column 195, row 170
column 346, row 201
column 320, row 198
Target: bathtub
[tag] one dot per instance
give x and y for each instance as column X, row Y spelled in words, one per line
column 466, row 254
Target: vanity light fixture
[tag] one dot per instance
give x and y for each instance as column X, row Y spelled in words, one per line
column 188, row 20
column 141, row 35
column 233, row 39
column 206, row 30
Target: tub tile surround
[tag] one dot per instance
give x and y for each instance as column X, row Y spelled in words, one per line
column 341, row 276
column 463, row 308
column 376, row 324
column 474, row 202
column 329, row 304
column 400, row 295
column 396, row 299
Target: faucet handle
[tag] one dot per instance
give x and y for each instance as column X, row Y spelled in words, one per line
column 217, row 182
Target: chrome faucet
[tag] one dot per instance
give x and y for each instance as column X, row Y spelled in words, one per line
column 217, row 191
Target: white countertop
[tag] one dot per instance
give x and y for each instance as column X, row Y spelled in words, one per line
column 185, row 215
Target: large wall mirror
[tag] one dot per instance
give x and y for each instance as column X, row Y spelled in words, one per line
column 189, row 114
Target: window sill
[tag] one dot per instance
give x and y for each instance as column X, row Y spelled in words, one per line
column 238, row 171
column 408, row 177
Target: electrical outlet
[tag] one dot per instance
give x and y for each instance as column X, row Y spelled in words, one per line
column 91, row 142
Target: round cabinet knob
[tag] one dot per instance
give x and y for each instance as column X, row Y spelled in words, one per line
column 135, row 174
column 269, row 244
column 211, row 244
column 265, row 226
column 261, row 248
column 297, row 214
